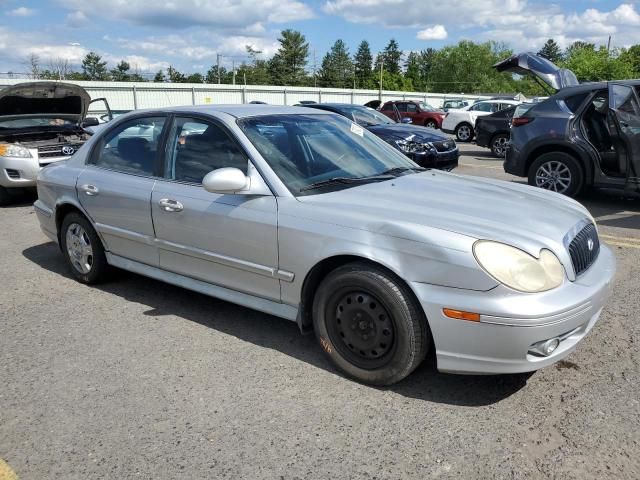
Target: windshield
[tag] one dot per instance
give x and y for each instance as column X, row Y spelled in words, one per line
column 306, row 149
column 35, row 122
column 426, row 107
column 365, row 116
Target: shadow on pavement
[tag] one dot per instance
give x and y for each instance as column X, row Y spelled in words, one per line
column 614, row 208
column 274, row 333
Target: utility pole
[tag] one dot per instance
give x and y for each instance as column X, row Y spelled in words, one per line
column 315, row 83
column 233, row 67
column 609, row 44
column 218, row 66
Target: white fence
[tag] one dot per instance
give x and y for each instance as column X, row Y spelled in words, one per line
column 132, row 96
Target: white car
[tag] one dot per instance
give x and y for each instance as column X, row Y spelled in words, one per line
column 462, row 122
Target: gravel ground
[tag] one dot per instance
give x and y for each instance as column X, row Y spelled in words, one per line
column 138, row 379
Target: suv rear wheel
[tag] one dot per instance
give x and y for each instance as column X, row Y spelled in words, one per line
column 464, row 132
column 558, row 172
column 431, row 124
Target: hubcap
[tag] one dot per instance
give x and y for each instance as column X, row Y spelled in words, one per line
column 79, row 248
column 431, row 125
column 361, row 329
column 499, row 146
column 554, row 176
column 464, row 133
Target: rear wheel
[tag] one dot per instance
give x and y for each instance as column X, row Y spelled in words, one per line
column 464, row 132
column 499, row 145
column 558, row 172
column 431, row 124
column 369, row 325
column 83, row 249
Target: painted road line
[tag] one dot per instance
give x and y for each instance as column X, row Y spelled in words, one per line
column 621, row 239
column 6, row 473
column 470, row 165
column 621, row 244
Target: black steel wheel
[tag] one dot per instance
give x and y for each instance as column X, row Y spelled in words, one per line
column 369, row 324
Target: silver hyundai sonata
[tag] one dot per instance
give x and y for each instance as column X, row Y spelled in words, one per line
column 305, row 215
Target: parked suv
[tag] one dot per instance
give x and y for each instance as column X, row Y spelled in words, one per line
column 462, row 122
column 449, row 104
column 420, row 113
column 40, row 123
column 584, row 135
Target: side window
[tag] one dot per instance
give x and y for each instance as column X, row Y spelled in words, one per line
column 574, row 102
column 484, row 107
column 412, row 107
column 130, row 148
column 402, row 107
column 196, row 147
column 388, row 107
column 623, row 99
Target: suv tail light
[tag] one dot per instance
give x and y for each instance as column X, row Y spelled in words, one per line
column 518, row 121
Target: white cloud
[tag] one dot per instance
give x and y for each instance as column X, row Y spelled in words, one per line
column 22, row 12
column 236, row 14
column 437, row 32
column 77, row 19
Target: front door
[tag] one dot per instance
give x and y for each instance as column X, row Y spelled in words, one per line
column 224, row 239
column 625, row 116
column 115, row 187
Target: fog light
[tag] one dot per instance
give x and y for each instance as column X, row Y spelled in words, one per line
column 546, row 347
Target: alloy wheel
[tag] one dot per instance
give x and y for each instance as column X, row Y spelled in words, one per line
column 553, row 175
column 79, row 248
column 464, row 133
column 500, row 146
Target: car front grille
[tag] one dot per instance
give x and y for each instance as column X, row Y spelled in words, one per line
column 445, row 146
column 58, row 150
column 584, row 249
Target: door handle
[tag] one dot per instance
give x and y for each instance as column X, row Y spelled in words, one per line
column 169, row 205
column 90, row 190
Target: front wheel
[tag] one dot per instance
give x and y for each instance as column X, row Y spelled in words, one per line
column 558, row 172
column 82, row 249
column 464, row 132
column 431, row 124
column 499, row 145
column 369, row 324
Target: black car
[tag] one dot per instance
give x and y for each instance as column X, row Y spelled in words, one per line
column 492, row 131
column 583, row 135
column 425, row 146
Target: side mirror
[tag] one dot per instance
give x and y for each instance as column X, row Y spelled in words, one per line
column 90, row 122
column 225, row 180
column 406, row 120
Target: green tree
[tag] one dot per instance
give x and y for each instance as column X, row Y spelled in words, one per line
column 212, row 75
column 551, row 51
column 257, row 72
column 94, row 68
column 287, row 66
column 175, row 76
column 362, row 65
column 121, row 72
column 412, row 70
column 631, row 56
column 195, row 78
column 160, row 76
column 391, row 56
column 337, row 68
column 593, row 65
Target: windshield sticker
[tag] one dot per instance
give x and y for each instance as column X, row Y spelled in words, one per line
column 357, row 129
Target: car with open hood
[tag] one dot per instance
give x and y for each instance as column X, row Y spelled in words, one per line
column 40, row 123
column 306, row 215
column 583, row 135
column 425, row 146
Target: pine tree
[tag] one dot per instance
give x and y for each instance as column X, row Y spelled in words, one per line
column 391, row 56
column 159, row 77
column 287, row 66
column 93, row 68
column 412, row 70
column 337, row 68
column 362, row 65
column 121, row 72
column 551, row 51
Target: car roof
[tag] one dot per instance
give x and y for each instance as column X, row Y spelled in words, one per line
column 240, row 111
column 589, row 86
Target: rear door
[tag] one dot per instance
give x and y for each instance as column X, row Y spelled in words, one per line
column 624, row 122
column 115, row 187
column 527, row 63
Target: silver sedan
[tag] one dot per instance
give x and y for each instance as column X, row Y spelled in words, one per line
column 305, row 215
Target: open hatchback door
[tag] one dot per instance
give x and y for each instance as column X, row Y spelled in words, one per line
column 528, row 63
column 624, row 125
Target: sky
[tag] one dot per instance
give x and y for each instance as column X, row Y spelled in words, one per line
column 189, row 34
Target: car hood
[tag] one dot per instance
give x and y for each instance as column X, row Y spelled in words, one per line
column 409, row 206
column 401, row 131
column 528, row 63
column 44, row 98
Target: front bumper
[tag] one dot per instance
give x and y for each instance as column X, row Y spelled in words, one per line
column 22, row 172
column 511, row 322
column 440, row 160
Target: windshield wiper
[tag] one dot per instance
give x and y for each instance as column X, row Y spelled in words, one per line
column 347, row 180
column 398, row 170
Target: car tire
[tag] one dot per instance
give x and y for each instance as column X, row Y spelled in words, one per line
column 557, row 171
column 5, row 197
column 83, row 249
column 499, row 145
column 431, row 124
column 369, row 324
column 464, row 132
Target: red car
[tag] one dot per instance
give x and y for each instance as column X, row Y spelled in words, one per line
column 420, row 113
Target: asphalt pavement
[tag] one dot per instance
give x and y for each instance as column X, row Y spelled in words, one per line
column 138, row 379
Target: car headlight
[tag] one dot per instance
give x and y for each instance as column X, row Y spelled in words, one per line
column 517, row 269
column 412, row 147
column 15, row 151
